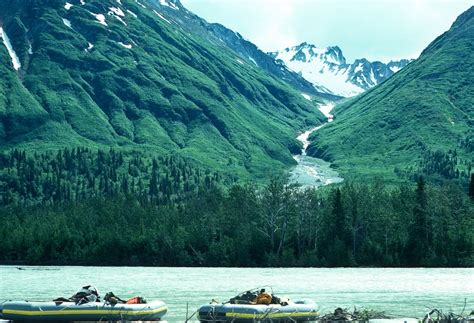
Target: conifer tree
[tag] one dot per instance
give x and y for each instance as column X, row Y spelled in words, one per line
column 471, row 187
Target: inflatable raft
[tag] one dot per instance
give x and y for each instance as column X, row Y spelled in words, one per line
column 93, row 311
column 301, row 311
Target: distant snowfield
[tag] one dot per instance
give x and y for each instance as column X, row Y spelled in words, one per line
column 326, row 110
column 329, row 72
column 395, row 69
column 11, row 51
column 319, row 72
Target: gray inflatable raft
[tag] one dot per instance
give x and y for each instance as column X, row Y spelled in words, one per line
column 301, row 311
column 94, row 311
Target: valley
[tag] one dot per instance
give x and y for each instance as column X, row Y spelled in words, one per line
column 313, row 172
column 136, row 133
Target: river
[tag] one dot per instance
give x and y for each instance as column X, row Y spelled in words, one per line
column 401, row 292
column 314, row 172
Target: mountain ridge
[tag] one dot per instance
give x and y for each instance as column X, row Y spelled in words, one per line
column 420, row 121
column 249, row 52
column 123, row 74
column 327, row 69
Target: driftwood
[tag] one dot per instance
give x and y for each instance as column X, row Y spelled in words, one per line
column 364, row 315
column 356, row 315
column 436, row 315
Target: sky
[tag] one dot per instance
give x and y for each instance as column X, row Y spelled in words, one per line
column 373, row 29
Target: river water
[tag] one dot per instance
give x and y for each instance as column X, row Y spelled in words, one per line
column 313, row 172
column 401, row 292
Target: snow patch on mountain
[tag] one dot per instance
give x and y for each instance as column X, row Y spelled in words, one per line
column 128, row 46
column 100, row 18
column 140, row 4
column 117, row 11
column 68, row 6
column 161, row 16
column 306, row 96
column 89, row 47
column 169, row 4
column 132, row 13
column 6, row 41
column 394, row 69
column 67, row 23
column 326, row 110
column 253, row 61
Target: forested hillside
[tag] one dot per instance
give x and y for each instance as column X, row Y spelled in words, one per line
column 102, row 74
column 421, row 120
column 75, row 175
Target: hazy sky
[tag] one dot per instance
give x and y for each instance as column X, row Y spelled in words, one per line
column 374, row 29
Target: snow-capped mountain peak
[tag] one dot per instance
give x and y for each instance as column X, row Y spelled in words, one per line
column 309, row 53
column 327, row 69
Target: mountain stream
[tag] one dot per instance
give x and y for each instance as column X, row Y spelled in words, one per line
column 310, row 171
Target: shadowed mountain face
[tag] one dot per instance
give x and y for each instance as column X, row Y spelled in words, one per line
column 421, row 119
column 128, row 74
column 328, row 71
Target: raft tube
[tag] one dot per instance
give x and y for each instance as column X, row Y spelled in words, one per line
column 301, row 311
column 94, row 311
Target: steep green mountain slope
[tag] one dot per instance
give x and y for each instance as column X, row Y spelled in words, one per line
column 248, row 52
column 419, row 121
column 120, row 74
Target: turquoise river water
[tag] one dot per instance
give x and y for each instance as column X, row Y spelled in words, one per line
column 401, row 292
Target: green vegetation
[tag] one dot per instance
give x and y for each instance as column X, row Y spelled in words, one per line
column 136, row 156
column 419, row 120
column 75, row 175
column 171, row 92
column 278, row 225
column 80, row 206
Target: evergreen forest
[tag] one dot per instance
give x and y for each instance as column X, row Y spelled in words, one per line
column 88, row 207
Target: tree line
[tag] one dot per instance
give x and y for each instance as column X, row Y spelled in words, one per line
column 73, row 175
column 277, row 224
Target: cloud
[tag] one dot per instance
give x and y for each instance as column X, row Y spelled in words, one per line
column 376, row 29
column 273, row 22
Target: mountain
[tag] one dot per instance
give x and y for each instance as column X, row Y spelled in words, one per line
column 248, row 52
column 421, row 120
column 329, row 72
column 126, row 74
